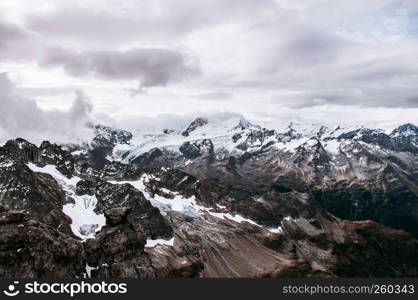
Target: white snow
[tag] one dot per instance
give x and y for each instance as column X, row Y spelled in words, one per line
column 82, row 211
column 405, row 133
column 279, row 229
column 6, row 164
column 89, row 269
column 152, row 243
column 220, row 134
column 85, row 222
column 118, row 151
column 78, row 152
column 312, row 142
column 332, row 146
column 237, row 218
column 186, row 206
column 59, row 177
column 178, row 203
column 292, row 145
column 138, row 184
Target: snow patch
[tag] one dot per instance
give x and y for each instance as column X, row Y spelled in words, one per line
column 6, row 164
column 292, row 145
column 78, row 152
column 59, row 177
column 85, row 222
column 89, row 269
column 187, row 206
column 237, row 218
column 279, row 229
column 332, row 146
column 152, row 243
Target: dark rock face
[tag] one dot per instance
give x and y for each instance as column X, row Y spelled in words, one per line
column 408, row 128
column 375, row 137
column 117, row 198
column 156, row 159
column 405, row 138
column 147, row 158
column 117, row 215
column 236, row 137
column 102, row 145
column 32, row 249
column 396, row 207
column 46, row 154
column 37, row 193
column 350, row 248
column 118, row 171
column 197, row 149
column 255, row 138
column 22, row 149
column 399, row 261
column 168, row 131
column 106, row 135
column 119, row 251
column 52, row 154
column 198, row 122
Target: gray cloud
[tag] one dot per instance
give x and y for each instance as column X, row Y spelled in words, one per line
column 136, row 20
column 151, row 66
column 16, row 43
column 22, row 117
column 307, row 46
column 214, row 96
column 11, row 32
column 268, row 55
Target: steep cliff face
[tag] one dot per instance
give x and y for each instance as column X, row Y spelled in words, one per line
column 32, row 249
column 224, row 200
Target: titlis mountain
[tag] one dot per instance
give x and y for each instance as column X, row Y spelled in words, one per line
column 216, row 199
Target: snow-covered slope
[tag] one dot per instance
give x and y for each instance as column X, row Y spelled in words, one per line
column 236, row 136
column 85, row 222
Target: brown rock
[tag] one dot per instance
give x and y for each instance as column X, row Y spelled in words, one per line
column 115, row 216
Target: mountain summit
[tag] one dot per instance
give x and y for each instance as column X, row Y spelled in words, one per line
column 198, row 122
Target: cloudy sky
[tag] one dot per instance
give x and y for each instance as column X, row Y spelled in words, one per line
column 134, row 63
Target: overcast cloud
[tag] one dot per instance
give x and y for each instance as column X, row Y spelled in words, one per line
column 22, row 117
column 269, row 60
column 151, row 66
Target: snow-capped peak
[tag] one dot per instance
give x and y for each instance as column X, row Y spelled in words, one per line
column 407, row 129
column 243, row 124
column 198, row 122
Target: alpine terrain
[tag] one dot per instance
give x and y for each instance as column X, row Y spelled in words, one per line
column 215, row 199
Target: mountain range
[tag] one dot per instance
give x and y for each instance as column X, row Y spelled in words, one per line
column 214, row 199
